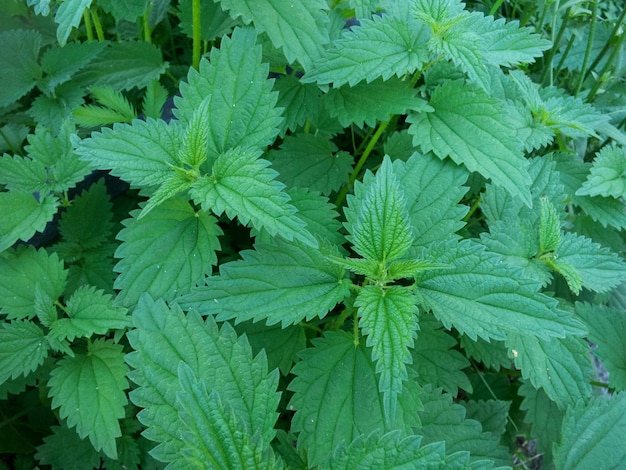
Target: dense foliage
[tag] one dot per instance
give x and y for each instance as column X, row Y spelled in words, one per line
column 312, row 234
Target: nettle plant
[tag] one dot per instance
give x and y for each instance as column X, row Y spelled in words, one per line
column 378, row 244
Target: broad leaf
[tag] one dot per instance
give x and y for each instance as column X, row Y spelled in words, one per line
column 165, row 253
column 284, row 282
column 19, row 71
column 23, row 215
column 90, row 311
column 593, row 434
column 89, row 390
column 561, row 366
column 311, row 161
column 241, row 102
column 242, row 185
column 24, row 348
column 22, row 272
column 492, row 414
column 60, row 63
column 64, row 449
column 299, row 28
column 68, row 16
column 300, row 101
column 389, row 319
column 482, row 297
column 385, row 46
column 165, row 338
column 607, row 174
column 336, row 397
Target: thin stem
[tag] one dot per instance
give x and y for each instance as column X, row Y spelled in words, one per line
column 596, row 87
column 355, row 328
column 473, row 209
column 607, row 46
column 357, row 169
column 88, row 24
column 147, row 33
column 97, row 24
column 550, row 56
column 592, row 33
column 197, row 33
column 495, row 7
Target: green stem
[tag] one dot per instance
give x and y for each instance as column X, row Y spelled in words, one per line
column 592, row 33
column 473, row 209
column 355, row 327
column 607, row 46
column 550, row 56
column 147, row 33
column 357, row 169
column 97, row 24
column 495, row 7
column 599, row 82
column 88, row 24
column 197, row 33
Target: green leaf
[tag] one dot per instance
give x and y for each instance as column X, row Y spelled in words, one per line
column 385, row 45
column 549, row 228
column 600, row 269
column 214, row 436
column 473, row 129
column 112, row 107
column 311, row 161
column 61, row 63
column 124, row 65
column 282, row 281
column 443, row 420
column 299, row 28
column 214, row 21
column 242, row 185
column 435, row 214
column 23, row 349
column 90, row 312
column 435, row 360
column 389, row 319
column 166, row 252
column 367, row 103
column 196, row 139
column 89, row 392
column 24, row 270
column 607, row 174
column 366, row 452
column 141, row 153
column 68, row 16
column 380, row 228
column 241, row 102
column 162, row 340
column 64, row 449
column 176, row 182
column 19, row 68
column 493, row 354
column 336, row 397
column 23, row 216
column 482, row 297
column 592, row 434
column 300, row 101
column 492, row 414
column 561, row 366
column 606, row 326
column 154, row 100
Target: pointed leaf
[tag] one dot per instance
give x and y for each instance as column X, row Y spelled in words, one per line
column 389, row 319
column 89, row 390
column 64, row 449
column 61, row 63
column 23, row 215
column 23, row 349
column 482, row 297
column 163, row 339
column 299, row 100
column 473, row 129
column 283, row 282
column 550, row 227
column 19, row 71
column 319, row 215
column 243, row 186
column 241, row 102
column 68, row 16
column 300, row 27
column 165, row 253
column 607, row 176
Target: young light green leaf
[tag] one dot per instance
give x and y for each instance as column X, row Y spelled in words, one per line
column 389, row 319
column 24, row 348
column 154, row 100
column 593, row 433
column 21, row 271
column 336, row 397
column 435, row 360
column 443, row 420
column 243, row 186
column 89, row 389
column 473, row 129
column 165, row 253
column 68, row 16
column 112, row 107
column 482, row 297
column 290, row 281
column 20, row 70
column 367, row 452
column 549, row 227
column 382, row 229
column 606, row 326
column 299, row 28
column 599, row 268
column 163, row 339
column 176, row 182
column 90, row 312
column 196, row 138
column 311, row 161
column 561, row 366
column 385, row 46
column 367, row 103
column 142, row 153
column 242, row 104
column 23, row 216
column 214, row 436
column 607, row 176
